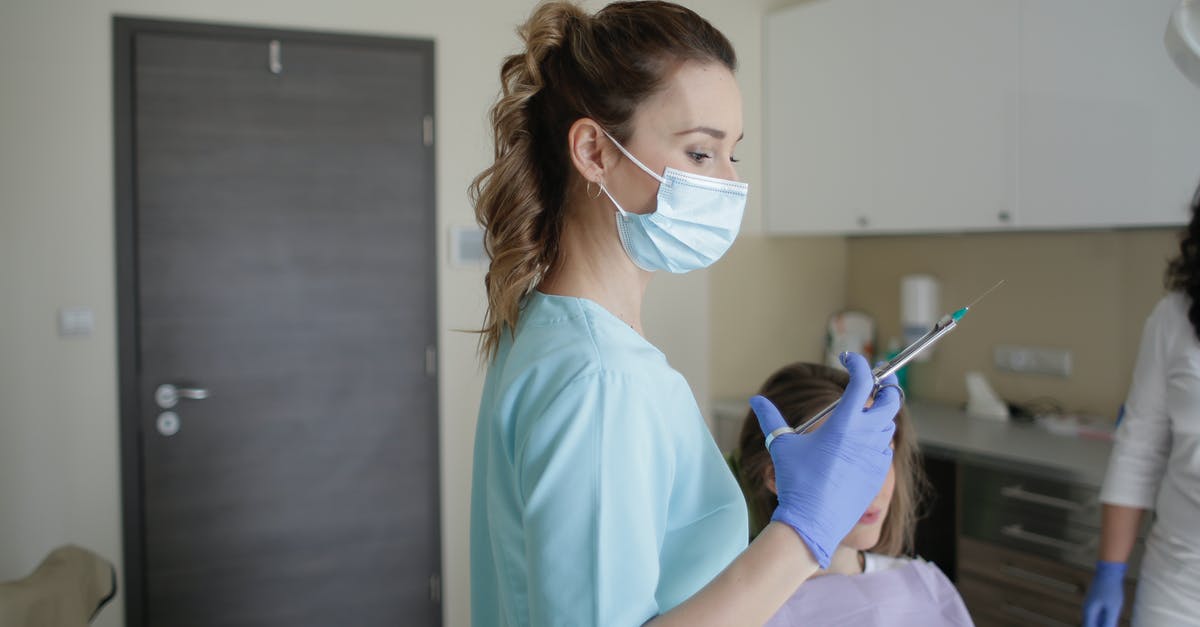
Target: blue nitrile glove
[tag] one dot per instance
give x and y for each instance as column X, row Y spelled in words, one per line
column 827, row 478
column 1102, row 606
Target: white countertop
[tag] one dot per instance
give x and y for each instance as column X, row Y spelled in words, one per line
column 946, row 431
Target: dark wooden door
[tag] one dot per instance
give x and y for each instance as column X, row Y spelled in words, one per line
column 284, row 264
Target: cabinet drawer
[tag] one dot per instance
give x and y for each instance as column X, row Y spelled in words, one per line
column 1071, row 544
column 1023, row 572
column 1008, row 584
column 1052, row 502
column 1054, row 519
column 992, row 606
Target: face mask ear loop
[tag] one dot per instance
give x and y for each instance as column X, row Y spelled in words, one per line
column 614, row 200
column 632, row 158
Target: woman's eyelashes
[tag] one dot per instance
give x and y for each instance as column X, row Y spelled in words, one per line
column 699, row 157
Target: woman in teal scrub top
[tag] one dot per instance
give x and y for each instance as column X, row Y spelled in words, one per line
column 599, row 496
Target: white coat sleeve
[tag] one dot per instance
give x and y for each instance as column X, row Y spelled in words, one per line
column 1143, row 440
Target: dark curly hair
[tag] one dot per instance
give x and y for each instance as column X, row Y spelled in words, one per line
column 1183, row 272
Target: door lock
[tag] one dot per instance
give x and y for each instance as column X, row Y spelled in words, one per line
column 168, row 395
column 167, row 423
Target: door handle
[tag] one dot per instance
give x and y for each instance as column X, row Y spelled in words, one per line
column 167, row 395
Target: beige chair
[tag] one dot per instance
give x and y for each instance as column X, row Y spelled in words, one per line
column 66, row 590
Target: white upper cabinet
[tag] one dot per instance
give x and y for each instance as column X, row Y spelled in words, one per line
column 1110, row 130
column 818, row 110
column 945, row 114
column 887, row 116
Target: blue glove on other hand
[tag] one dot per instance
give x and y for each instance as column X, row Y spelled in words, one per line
column 1102, row 607
column 827, row 478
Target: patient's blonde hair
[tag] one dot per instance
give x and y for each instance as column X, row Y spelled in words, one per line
column 800, row 390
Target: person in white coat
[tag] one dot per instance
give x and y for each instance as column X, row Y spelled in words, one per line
column 1155, row 463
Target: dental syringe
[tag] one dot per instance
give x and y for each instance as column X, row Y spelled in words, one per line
column 945, row 325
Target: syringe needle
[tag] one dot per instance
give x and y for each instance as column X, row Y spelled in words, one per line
column 989, row 291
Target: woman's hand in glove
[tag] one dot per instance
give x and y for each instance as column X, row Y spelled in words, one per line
column 827, row 478
column 1102, row 606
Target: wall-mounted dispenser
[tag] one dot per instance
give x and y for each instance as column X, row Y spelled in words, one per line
column 920, row 308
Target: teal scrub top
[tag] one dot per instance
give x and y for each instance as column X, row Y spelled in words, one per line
column 598, row 494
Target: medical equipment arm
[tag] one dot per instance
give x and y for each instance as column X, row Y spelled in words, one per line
column 1183, row 39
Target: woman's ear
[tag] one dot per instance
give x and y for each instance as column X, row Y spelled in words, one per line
column 587, row 146
column 769, row 478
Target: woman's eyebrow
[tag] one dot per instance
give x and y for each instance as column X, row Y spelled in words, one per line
column 708, row 130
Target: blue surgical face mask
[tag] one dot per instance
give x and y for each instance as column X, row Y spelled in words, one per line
column 695, row 222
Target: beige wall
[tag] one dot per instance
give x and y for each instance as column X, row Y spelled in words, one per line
column 1086, row 292
column 770, row 298
column 59, row 476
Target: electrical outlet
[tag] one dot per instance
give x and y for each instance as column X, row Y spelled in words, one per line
column 1033, row 360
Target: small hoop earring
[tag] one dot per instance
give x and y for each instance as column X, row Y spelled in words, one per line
column 588, row 190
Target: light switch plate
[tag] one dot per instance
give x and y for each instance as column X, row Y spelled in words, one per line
column 466, row 247
column 76, row 322
column 1033, row 360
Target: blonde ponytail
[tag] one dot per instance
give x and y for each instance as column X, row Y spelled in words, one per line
column 508, row 204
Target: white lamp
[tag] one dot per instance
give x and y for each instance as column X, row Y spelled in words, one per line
column 1183, row 39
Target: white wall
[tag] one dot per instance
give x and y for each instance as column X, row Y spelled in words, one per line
column 59, row 466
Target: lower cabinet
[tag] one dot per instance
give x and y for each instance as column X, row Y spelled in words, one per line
column 1003, row 586
column 1026, row 547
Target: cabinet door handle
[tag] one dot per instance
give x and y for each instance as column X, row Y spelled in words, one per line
column 1040, row 579
column 1028, row 615
column 1019, row 493
column 1018, row 532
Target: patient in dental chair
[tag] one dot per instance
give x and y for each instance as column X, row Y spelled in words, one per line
column 870, row 580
